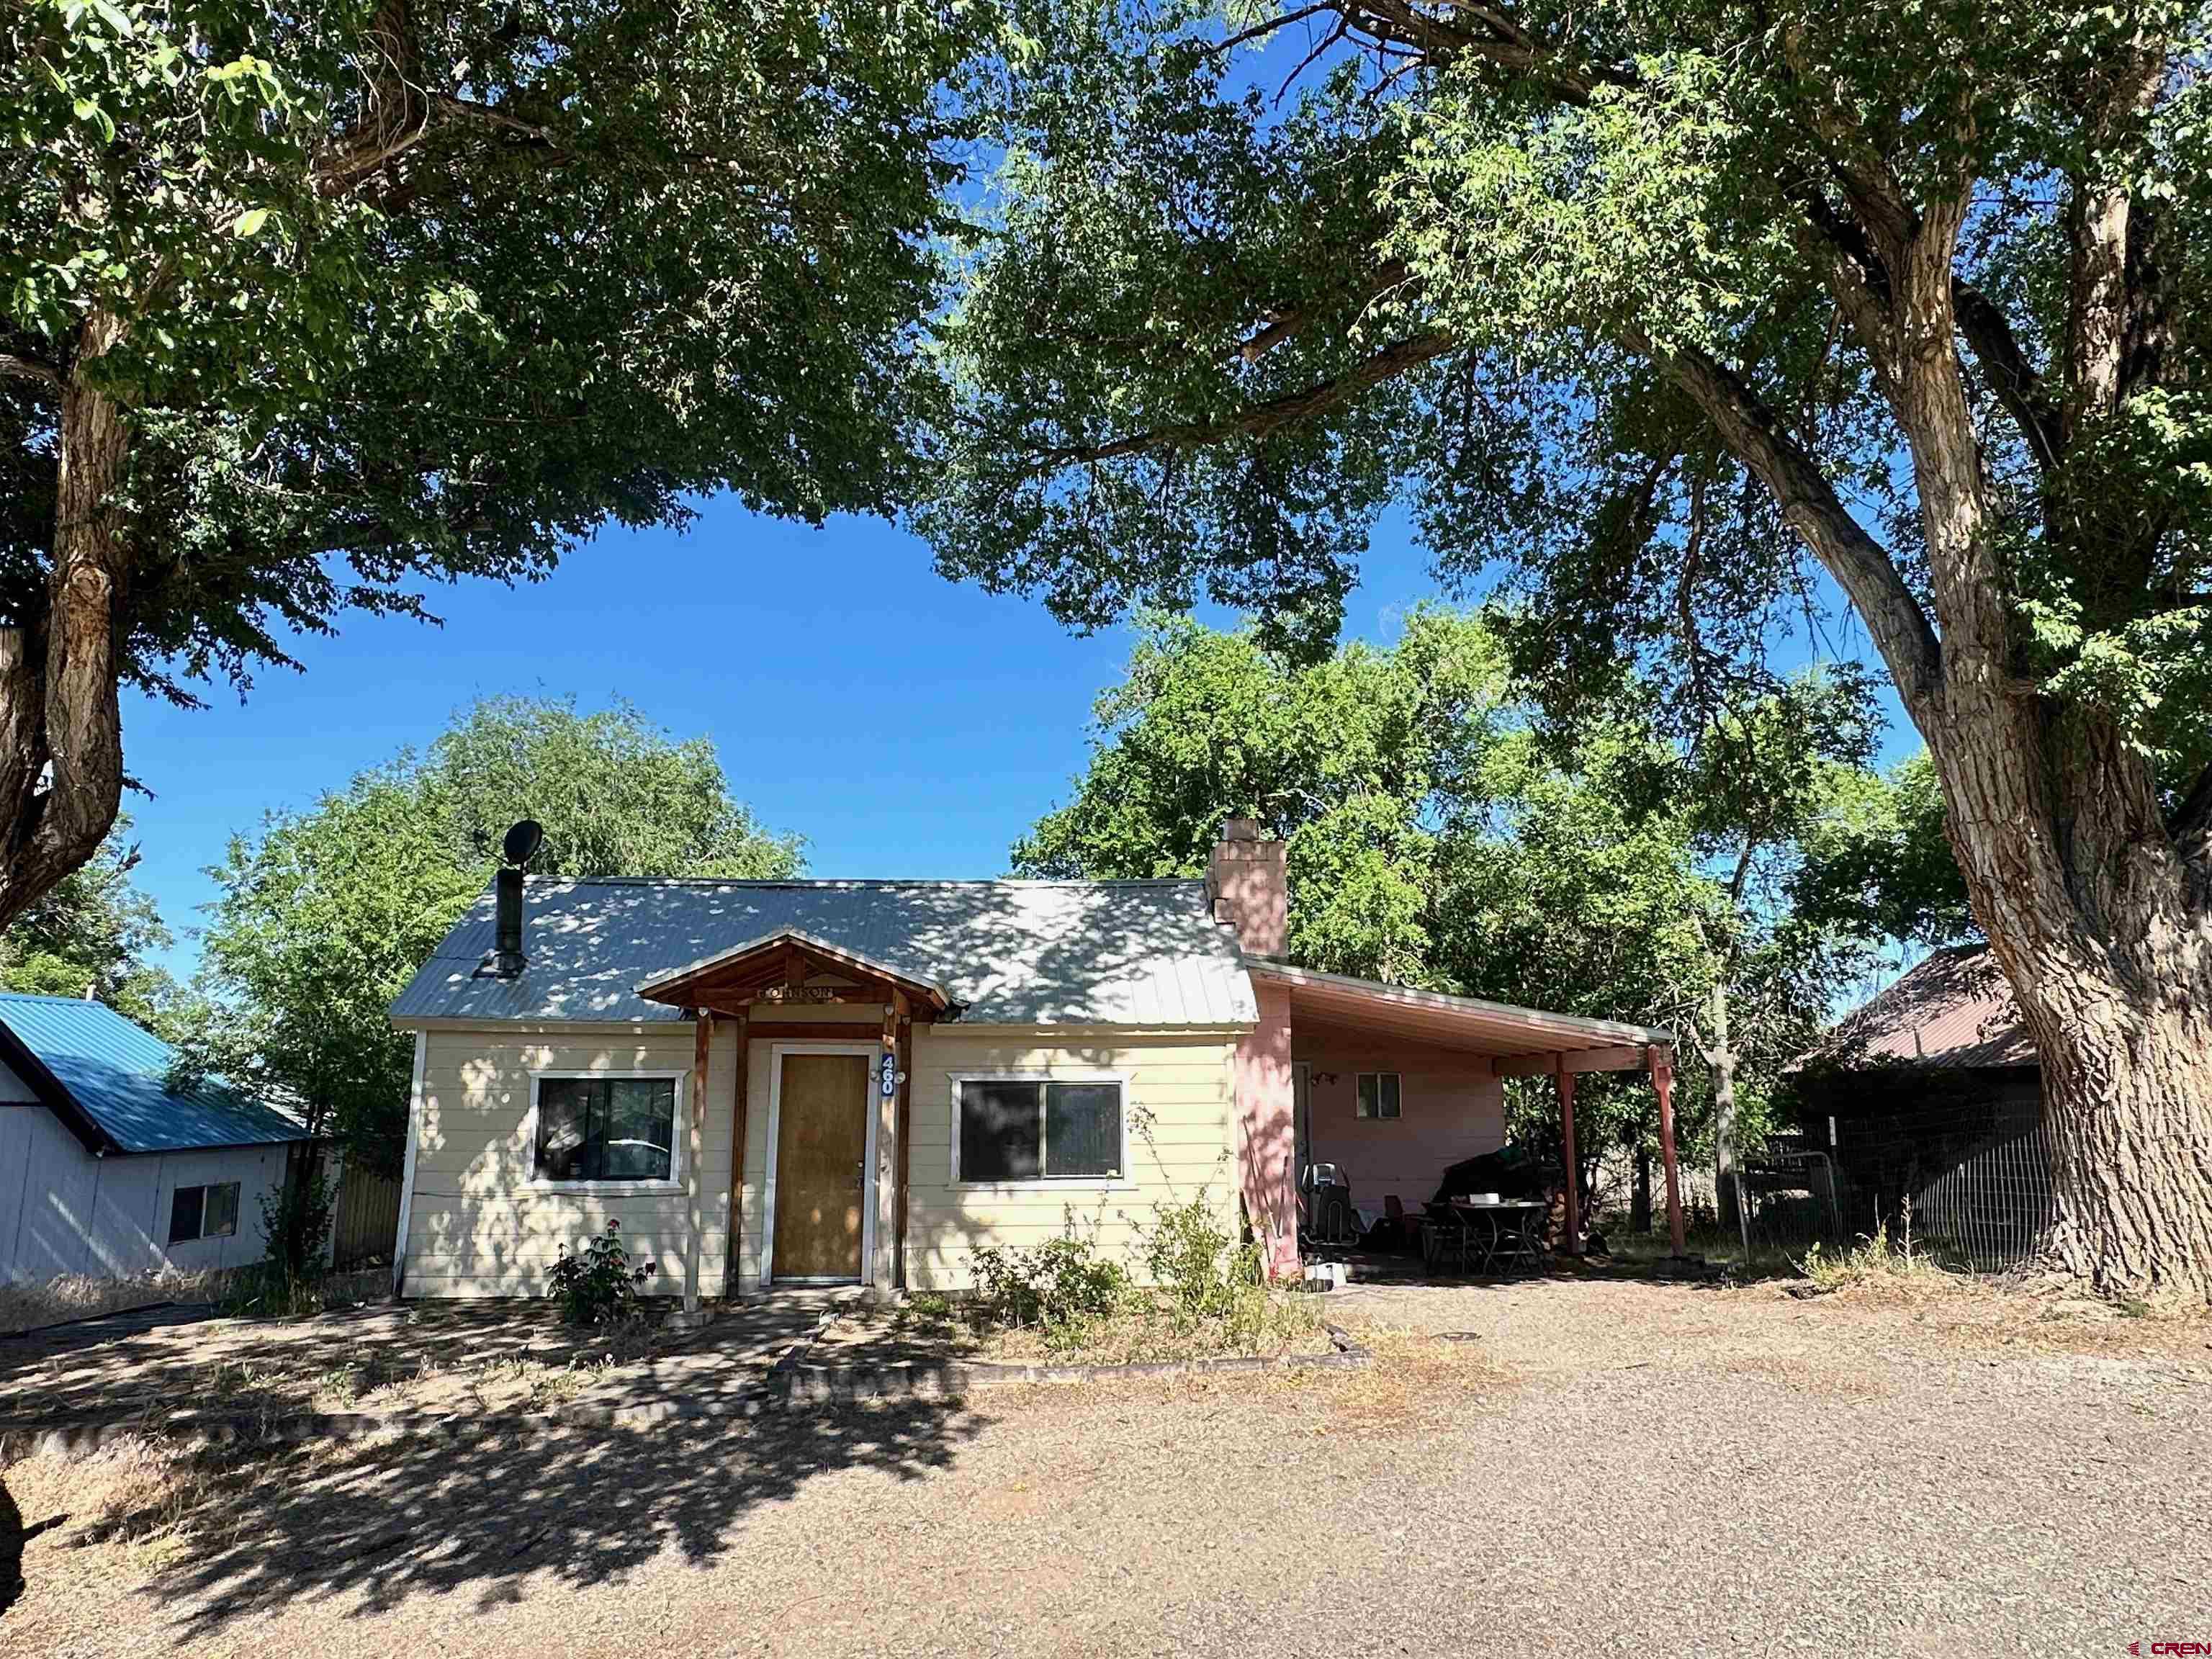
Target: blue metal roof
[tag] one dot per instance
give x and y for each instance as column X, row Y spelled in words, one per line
column 116, row 1075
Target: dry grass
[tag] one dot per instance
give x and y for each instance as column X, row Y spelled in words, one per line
column 149, row 1503
column 28, row 1307
column 1143, row 1328
column 1875, row 1263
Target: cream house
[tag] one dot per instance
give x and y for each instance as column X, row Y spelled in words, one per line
column 859, row 1081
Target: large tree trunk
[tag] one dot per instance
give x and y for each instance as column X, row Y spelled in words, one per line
column 61, row 731
column 2099, row 911
column 2099, row 924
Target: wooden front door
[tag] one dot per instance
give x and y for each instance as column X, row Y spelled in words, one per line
column 821, row 1166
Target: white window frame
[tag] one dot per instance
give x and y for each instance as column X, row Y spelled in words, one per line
column 1398, row 1117
column 873, row 1099
column 681, row 1079
column 206, row 1187
column 1121, row 1183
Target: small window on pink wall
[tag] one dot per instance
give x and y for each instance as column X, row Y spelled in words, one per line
column 1378, row 1094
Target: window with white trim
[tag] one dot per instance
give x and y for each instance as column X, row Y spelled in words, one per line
column 1035, row 1129
column 605, row 1128
column 208, row 1212
column 1378, row 1094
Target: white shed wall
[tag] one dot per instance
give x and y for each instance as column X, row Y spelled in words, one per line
column 63, row 1211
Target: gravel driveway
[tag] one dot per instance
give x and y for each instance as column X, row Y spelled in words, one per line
column 1587, row 1468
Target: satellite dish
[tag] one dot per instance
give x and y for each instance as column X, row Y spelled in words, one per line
column 522, row 842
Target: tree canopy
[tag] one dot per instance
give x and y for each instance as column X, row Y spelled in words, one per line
column 1442, row 834
column 325, row 915
column 92, row 934
column 309, row 308
column 1687, row 318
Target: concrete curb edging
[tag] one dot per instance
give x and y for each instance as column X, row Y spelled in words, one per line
column 791, row 1385
column 197, row 1430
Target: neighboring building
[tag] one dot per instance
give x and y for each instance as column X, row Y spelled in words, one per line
column 1932, row 1092
column 106, row 1168
column 860, row 1081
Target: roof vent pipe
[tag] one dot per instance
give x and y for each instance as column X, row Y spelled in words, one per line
column 507, row 960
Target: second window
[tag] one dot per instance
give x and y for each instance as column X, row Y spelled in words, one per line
column 1026, row 1130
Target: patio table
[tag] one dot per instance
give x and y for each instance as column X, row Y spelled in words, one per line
column 1493, row 1224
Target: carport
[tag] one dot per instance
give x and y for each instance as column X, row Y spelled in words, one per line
column 1457, row 1050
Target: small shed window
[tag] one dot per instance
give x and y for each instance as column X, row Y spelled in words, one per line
column 606, row 1128
column 1030, row 1129
column 207, row 1212
column 1378, row 1094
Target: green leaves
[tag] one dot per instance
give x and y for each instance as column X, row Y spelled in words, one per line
column 324, row 915
column 577, row 265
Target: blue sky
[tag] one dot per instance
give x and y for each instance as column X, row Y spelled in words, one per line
column 904, row 724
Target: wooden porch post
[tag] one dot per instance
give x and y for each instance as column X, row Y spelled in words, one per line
column 1663, row 1080
column 901, row 1153
column 733, row 1282
column 703, row 1022
column 1567, row 1135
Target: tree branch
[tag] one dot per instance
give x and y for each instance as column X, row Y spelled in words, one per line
column 29, row 368
column 1809, row 502
column 1261, row 419
column 2018, row 386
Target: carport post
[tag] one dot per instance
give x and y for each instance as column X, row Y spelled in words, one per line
column 1663, row 1080
column 1567, row 1135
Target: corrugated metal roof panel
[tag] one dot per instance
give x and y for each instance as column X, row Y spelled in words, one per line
column 1953, row 1011
column 1010, row 952
column 118, row 1073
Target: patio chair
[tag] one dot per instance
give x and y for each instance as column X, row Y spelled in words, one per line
column 1447, row 1240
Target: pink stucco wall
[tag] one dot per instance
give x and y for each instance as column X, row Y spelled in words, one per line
column 1266, row 1165
column 1452, row 1108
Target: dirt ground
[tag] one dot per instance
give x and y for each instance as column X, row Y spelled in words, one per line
column 1550, row 1467
column 452, row 1358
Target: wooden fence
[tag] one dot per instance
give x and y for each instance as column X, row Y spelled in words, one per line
column 364, row 1218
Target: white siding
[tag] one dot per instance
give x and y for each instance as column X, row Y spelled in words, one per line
column 63, row 1211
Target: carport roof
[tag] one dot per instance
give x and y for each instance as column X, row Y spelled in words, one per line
column 1519, row 1039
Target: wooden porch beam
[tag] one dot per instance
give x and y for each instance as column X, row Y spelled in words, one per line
column 732, row 1285
column 1566, row 1083
column 902, row 1054
column 1551, row 1062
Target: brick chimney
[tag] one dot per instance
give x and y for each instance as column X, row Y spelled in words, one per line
column 1248, row 886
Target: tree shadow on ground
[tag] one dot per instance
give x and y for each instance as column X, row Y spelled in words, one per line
column 485, row 1511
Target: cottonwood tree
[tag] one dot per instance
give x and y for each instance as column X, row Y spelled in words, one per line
column 322, row 916
column 1690, row 314
column 305, row 307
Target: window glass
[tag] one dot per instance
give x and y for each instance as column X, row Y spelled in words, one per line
column 606, row 1128
column 1083, row 1129
column 1378, row 1094
column 220, row 1216
column 185, row 1205
column 564, row 1128
column 1001, row 1130
column 640, row 1140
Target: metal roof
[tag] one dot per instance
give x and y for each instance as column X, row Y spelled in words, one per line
column 1953, row 1011
column 110, row 1080
column 1009, row 952
column 1494, row 1028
